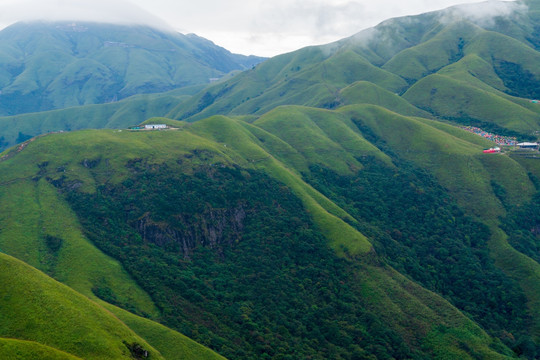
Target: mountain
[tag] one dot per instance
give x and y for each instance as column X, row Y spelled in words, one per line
column 121, row 114
column 256, row 242
column 325, row 204
column 46, row 66
column 452, row 64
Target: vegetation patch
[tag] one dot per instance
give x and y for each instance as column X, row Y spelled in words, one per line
column 233, row 261
column 518, row 80
column 420, row 231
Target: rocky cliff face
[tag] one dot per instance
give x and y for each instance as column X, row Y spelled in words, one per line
column 213, row 228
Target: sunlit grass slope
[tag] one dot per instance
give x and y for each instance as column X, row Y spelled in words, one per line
column 453, row 155
column 479, row 73
column 455, row 158
column 333, row 141
column 40, row 229
column 131, row 111
column 495, row 47
column 36, row 308
column 365, row 92
column 309, row 83
column 450, row 98
column 21, row 350
column 449, row 66
column 453, row 67
column 433, row 54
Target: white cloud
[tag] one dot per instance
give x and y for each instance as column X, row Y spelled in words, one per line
column 483, row 14
column 259, row 27
column 116, row 11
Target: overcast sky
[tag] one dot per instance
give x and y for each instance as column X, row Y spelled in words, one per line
column 260, row 27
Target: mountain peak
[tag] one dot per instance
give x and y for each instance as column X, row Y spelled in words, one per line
column 97, row 63
column 99, row 11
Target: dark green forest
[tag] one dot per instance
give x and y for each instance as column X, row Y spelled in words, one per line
column 420, row 231
column 232, row 259
column 234, row 262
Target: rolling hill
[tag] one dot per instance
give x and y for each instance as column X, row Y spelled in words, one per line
column 44, row 319
column 46, row 66
column 452, row 64
column 218, row 220
column 324, row 204
column 121, row 114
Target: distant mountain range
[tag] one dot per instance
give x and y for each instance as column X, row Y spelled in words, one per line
column 330, row 203
column 45, row 66
column 451, row 64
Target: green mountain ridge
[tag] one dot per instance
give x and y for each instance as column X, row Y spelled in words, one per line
column 53, row 307
column 228, row 150
column 48, row 66
column 400, row 55
column 66, row 325
column 131, row 111
column 397, row 55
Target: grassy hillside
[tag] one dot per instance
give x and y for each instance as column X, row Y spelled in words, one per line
column 454, row 67
column 171, row 344
column 449, row 64
column 322, row 204
column 50, row 238
column 57, row 65
column 18, row 349
column 211, row 159
column 449, row 98
column 444, row 48
column 474, row 180
column 121, row 114
column 364, row 92
column 42, row 311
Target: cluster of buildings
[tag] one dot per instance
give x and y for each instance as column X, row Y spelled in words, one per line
column 497, row 139
column 500, row 140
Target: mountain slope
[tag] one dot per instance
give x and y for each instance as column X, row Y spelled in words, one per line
column 38, row 309
column 203, row 233
column 49, row 66
column 18, row 349
column 490, row 60
column 323, row 204
column 171, row 344
column 131, row 111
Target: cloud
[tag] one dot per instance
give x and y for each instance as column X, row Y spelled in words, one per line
column 483, row 14
column 116, row 11
column 259, row 27
column 314, row 17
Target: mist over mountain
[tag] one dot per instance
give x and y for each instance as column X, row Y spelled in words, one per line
column 483, row 47
column 118, row 12
column 53, row 65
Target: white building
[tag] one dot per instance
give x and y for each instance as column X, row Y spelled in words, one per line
column 155, row 126
column 528, row 145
